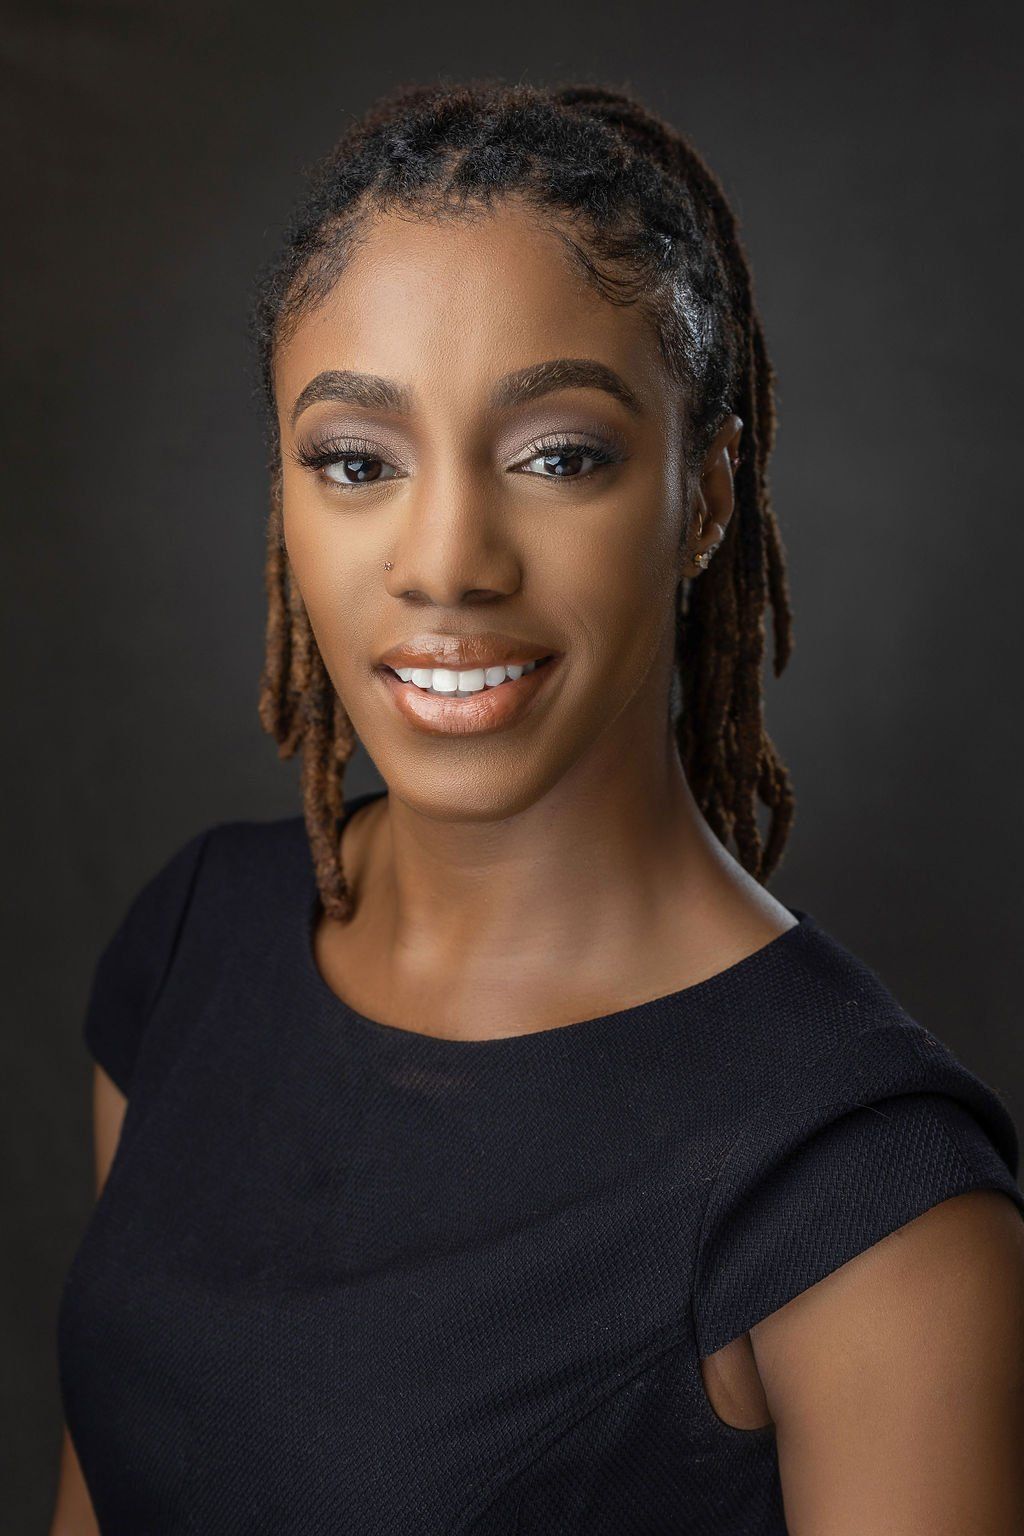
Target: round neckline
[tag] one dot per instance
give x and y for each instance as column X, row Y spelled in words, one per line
column 376, row 1029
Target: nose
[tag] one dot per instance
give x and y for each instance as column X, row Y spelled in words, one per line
column 452, row 544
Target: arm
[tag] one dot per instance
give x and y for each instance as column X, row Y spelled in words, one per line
column 73, row 1512
column 896, row 1383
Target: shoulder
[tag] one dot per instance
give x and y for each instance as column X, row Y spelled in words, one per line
column 212, row 885
column 819, row 1028
column 225, row 848
column 805, row 995
column 855, row 1122
column 245, row 848
column 220, row 860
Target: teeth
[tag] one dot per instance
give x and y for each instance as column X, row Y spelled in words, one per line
column 462, row 684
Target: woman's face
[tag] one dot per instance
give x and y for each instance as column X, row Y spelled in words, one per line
column 526, row 510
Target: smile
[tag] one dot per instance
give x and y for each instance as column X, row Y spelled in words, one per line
column 464, row 684
column 443, row 701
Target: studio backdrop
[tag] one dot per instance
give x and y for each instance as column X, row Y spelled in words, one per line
column 151, row 155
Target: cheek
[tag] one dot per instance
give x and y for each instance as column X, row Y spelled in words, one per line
column 326, row 568
column 618, row 583
column 309, row 554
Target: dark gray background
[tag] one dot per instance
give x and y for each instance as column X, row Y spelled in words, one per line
column 151, row 154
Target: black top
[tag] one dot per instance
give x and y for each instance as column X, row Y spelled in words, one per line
column 344, row 1277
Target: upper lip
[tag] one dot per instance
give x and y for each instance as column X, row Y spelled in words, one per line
column 488, row 649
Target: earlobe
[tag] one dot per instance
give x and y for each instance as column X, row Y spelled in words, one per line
column 709, row 536
column 703, row 556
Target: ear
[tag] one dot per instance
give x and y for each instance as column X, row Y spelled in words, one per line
column 713, row 498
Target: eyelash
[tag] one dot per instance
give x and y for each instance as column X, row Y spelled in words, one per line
column 317, row 455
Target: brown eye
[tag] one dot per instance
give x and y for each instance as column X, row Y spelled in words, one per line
column 564, row 463
column 355, row 469
column 345, row 462
column 568, row 460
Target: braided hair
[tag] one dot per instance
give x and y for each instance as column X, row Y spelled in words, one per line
column 650, row 224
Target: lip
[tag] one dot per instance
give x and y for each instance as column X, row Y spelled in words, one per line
column 462, row 652
column 491, row 709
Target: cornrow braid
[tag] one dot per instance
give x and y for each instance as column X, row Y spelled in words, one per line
column 659, row 231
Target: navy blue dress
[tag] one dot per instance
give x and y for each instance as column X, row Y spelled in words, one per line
column 348, row 1278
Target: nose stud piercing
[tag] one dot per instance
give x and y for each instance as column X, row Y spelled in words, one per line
column 387, row 565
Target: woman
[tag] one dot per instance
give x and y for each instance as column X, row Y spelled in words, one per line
column 500, row 1155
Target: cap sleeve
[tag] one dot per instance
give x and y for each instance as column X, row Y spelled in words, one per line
column 867, row 1138
column 130, row 971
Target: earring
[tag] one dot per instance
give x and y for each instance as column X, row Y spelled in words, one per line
column 387, row 565
column 704, row 558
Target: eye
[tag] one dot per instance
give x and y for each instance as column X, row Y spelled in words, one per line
column 345, row 463
column 361, row 468
column 567, row 458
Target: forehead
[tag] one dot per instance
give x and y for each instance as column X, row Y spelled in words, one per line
column 448, row 305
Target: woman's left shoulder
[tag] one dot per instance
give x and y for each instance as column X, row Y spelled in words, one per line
column 862, row 1120
column 828, row 1013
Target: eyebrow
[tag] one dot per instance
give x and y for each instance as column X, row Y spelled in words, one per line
column 375, row 393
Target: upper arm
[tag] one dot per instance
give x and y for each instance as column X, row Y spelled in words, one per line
column 73, row 1514
column 865, row 1229
column 108, row 1108
column 126, row 981
column 896, row 1383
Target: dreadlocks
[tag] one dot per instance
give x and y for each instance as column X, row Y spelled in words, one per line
column 650, row 224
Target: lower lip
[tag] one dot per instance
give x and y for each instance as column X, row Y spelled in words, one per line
column 491, row 709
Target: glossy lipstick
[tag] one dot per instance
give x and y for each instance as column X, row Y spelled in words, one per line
column 487, row 709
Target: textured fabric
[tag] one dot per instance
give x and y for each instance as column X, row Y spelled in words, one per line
column 344, row 1277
